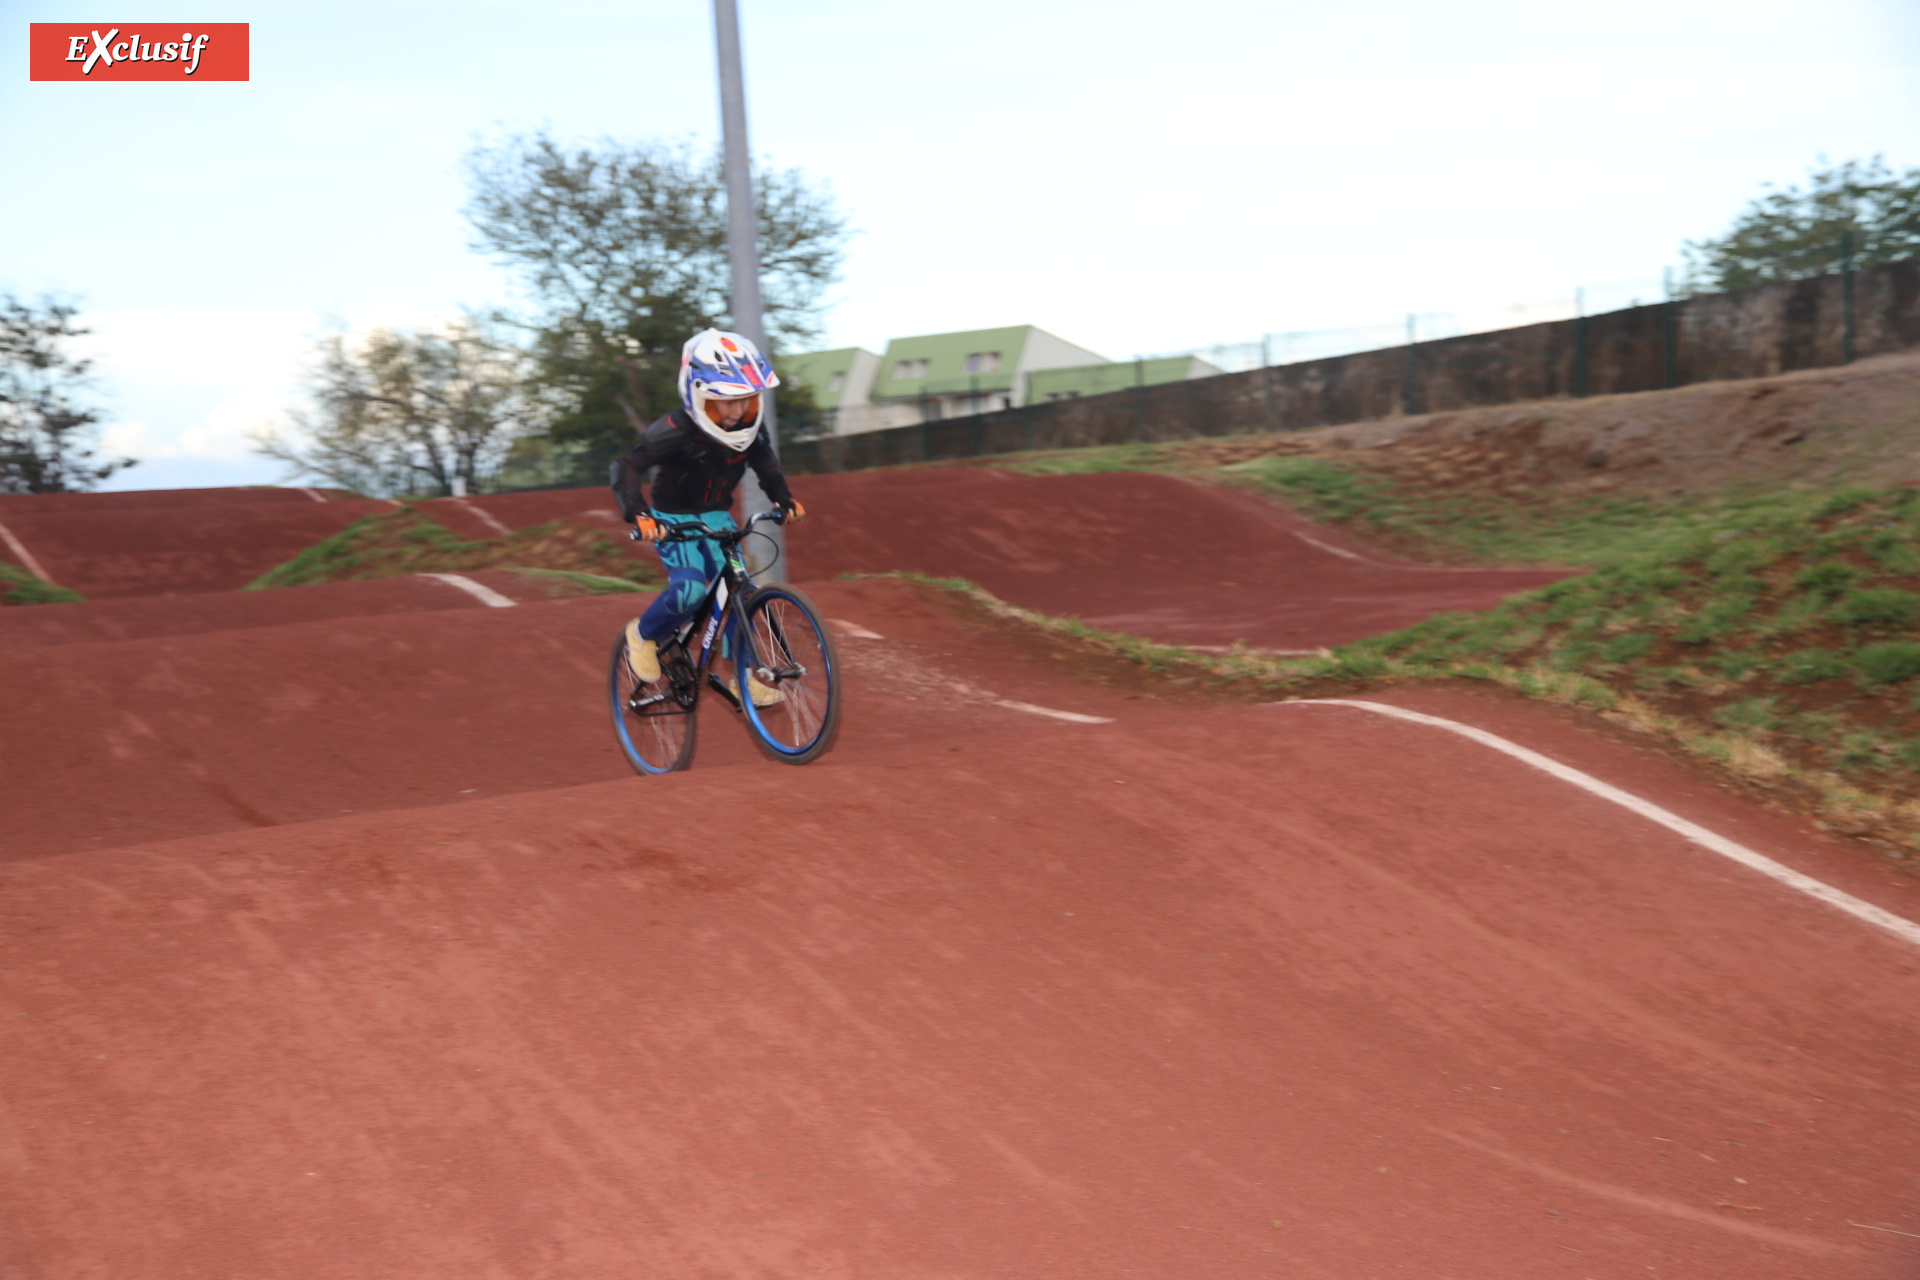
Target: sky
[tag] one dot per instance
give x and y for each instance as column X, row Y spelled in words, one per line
column 1135, row 177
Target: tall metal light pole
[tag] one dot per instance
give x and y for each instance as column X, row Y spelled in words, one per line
column 743, row 261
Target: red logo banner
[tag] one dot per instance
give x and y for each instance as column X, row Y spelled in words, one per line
column 138, row 51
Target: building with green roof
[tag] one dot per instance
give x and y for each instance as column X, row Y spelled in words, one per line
column 953, row 374
column 841, row 376
column 950, row 375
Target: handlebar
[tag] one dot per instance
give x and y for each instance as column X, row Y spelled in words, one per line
column 694, row 531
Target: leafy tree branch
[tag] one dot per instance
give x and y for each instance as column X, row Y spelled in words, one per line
column 1794, row 233
column 621, row 251
column 398, row 412
column 46, row 436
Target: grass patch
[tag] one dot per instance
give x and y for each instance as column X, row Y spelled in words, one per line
column 1770, row 636
column 592, row 584
column 17, row 586
column 1771, row 631
column 1778, row 620
column 406, row 542
column 1078, row 462
column 1533, row 527
column 1451, row 523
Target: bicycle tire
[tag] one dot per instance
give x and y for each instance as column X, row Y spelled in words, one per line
column 655, row 742
column 794, row 653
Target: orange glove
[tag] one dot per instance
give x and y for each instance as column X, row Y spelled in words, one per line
column 651, row 530
column 795, row 512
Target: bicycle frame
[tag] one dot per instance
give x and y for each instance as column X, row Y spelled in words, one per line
column 721, row 615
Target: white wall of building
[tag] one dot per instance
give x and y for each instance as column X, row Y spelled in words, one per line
column 858, row 412
column 1044, row 351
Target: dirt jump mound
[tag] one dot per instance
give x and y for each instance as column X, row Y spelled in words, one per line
column 1156, row 556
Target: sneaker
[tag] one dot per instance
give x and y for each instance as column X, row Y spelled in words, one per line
column 763, row 695
column 643, row 655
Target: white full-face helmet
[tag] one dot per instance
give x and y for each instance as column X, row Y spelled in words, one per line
column 724, row 368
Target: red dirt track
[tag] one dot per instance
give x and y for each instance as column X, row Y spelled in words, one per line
column 1199, row 992
column 116, row 544
column 1173, row 560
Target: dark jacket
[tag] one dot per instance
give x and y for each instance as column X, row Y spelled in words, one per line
column 695, row 472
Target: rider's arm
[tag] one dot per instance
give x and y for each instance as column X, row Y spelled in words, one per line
column 629, row 485
column 628, row 474
column 773, row 481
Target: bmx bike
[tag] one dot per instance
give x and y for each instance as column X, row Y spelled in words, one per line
column 776, row 637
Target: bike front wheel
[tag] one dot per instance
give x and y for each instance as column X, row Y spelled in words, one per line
column 652, row 721
column 792, row 656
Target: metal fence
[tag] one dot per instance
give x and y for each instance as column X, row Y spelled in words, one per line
column 1769, row 329
column 1295, row 346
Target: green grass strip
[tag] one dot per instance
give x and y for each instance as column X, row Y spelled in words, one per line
column 17, row 586
column 592, row 583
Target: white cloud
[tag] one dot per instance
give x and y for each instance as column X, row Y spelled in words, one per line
column 198, row 346
column 207, row 378
column 133, row 438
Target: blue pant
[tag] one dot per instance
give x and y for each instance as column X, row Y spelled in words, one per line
column 691, row 566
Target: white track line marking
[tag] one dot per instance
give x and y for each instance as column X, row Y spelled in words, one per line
column 24, row 556
column 1384, row 564
column 1904, row 929
column 484, row 594
column 1071, row 717
column 486, row 517
column 314, row 494
column 1869, row 1226
column 1330, row 548
column 854, row 629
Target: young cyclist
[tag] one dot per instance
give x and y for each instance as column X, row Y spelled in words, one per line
column 700, row 451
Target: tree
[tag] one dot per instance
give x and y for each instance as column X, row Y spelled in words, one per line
column 398, row 412
column 621, row 247
column 1790, row 234
column 46, row 439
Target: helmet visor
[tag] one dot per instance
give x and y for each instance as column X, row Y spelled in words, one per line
column 732, row 413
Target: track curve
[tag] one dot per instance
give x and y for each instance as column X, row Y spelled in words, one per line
column 1175, row 989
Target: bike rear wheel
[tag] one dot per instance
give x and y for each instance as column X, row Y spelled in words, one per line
column 652, row 721
column 793, row 653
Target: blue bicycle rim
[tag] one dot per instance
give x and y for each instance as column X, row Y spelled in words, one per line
column 743, row 669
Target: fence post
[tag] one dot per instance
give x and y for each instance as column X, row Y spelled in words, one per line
column 925, row 451
column 1670, row 344
column 1266, row 381
column 1580, row 343
column 1140, row 399
column 1026, row 413
column 1846, row 297
column 1410, row 392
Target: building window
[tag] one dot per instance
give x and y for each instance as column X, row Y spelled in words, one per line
column 1063, row 395
column 905, row 369
column 983, row 362
column 837, row 383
